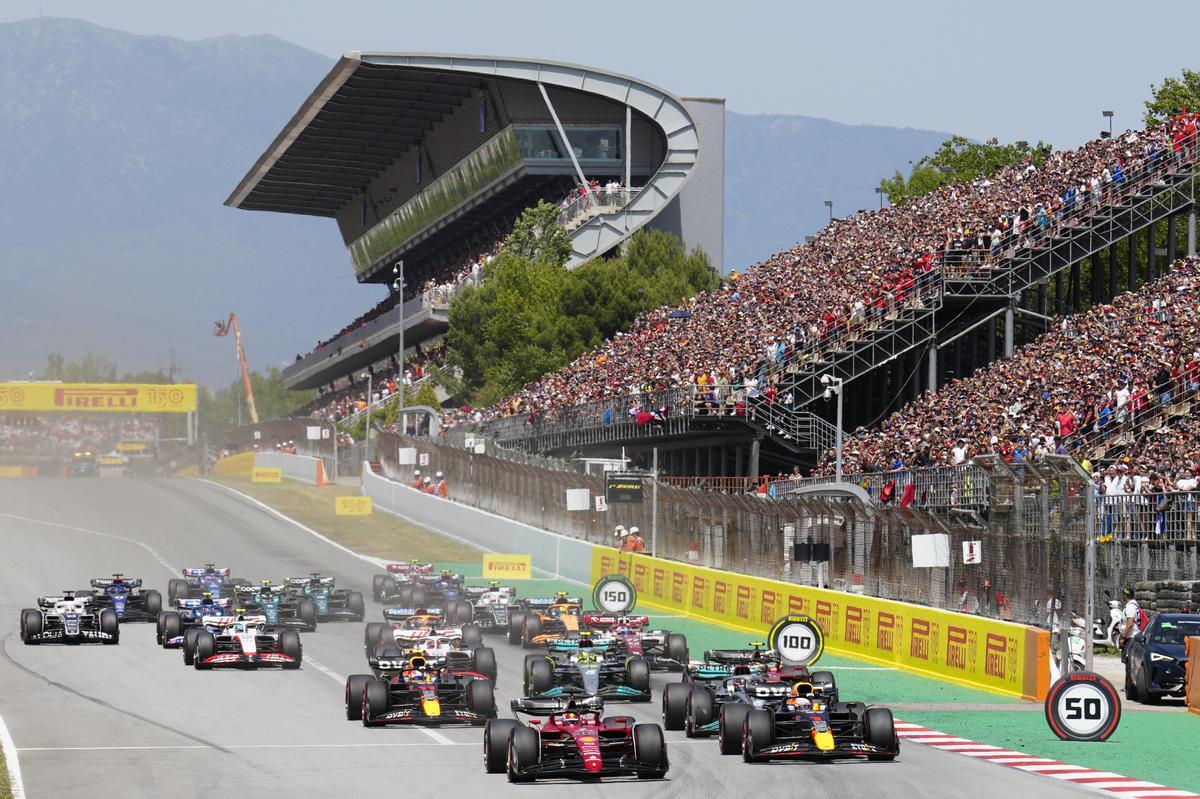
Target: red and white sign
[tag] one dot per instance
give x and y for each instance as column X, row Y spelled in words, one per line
column 972, row 551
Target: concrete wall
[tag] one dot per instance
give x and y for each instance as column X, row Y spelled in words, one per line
column 697, row 215
column 297, row 467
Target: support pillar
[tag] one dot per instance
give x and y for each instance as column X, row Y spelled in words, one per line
column 1191, row 250
column 1008, row 332
column 991, row 334
column 1131, row 257
column 914, row 369
column 754, row 445
column 1112, row 272
column 1171, row 254
column 1058, row 295
column 1151, row 264
column 931, row 382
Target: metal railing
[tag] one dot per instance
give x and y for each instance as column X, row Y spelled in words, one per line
column 583, row 207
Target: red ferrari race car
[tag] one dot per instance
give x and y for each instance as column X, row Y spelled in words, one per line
column 574, row 741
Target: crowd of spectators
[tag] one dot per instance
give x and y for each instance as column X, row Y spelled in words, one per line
column 50, row 435
column 1090, row 385
column 855, row 272
column 337, row 403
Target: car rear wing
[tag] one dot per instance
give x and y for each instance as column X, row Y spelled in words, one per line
column 408, row 568
column 477, row 591
column 739, row 656
column 191, row 604
column 67, row 596
column 105, row 582
column 543, row 602
column 549, row 707
column 201, row 572
column 299, row 582
column 597, row 619
column 225, row 621
column 404, row 613
column 572, row 644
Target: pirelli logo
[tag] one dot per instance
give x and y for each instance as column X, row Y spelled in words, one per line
column 956, row 647
column 769, row 607
column 853, row 628
column 720, row 597
column 698, row 593
column 639, row 576
column 918, row 642
column 795, row 603
column 885, row 631
column 995, row 656
column 677, row 587
column 743, row 602
column 95, row 398
column 660, row 583
column 824, row 614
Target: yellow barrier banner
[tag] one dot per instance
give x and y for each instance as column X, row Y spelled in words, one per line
column 18, row 471
column 240, row 464
column 98, row 397
column 266, row 474
column 131, row 446
column 982, row 653
column 191, row 471
column 110, row 460
column 352, row 506
column 507, row 567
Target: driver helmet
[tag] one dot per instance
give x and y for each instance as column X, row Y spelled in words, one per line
column 587, row 657
column 801, row 703
column 570, row 717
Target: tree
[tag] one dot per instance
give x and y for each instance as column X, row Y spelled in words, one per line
column 427, row 395
column 958, row 160
column 1172, row 96
column 537, row 236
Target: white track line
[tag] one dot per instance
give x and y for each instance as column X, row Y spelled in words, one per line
column 236, row 746
column 146, row 547
column 13, row 764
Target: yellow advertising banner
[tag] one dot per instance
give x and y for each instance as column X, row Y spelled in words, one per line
column 266, row 474
column 507, row 567
column 969, row 650
column 240, row 464
column 110, row 460
column 18, row 471
column 97, row 397
column 352, row 506
column 131, row 446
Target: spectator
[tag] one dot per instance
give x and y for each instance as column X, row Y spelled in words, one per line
column 442, row 489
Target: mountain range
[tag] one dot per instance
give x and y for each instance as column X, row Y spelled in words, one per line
column 117, row 151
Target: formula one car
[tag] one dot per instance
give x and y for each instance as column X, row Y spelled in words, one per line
column 189, row 614
column 196, row 581
column 241, row 640
column 581, row 667
column 537, row 620
column 332, row 604
column 126, row 597
column 83, row 464
column 752, row 676
column 573, row 742
column 412, row 691
column 803, row 727
column 281, row 606
column 402, row 626
column 69, row 619
column 387, row 585
column 491, row 605
column 662, row 650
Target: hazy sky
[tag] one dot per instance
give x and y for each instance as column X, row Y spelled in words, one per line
column 1017, row 70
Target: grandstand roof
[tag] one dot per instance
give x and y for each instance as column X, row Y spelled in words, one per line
column 374, row 106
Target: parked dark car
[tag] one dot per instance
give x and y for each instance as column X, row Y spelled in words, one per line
column 1155, row 657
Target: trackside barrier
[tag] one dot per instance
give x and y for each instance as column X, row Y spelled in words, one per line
column 969, row 650
column 240, row 464
column 18, row 471
column 297, row 467
column 557, row 555
column 1192, row 674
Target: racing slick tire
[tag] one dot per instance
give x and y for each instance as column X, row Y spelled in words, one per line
column 516, row 623
column 170, row 626
column 109, row 623
column 539, row 678
column 289, row 644
column 676, row 649
column 153, row 603
column 158, row 624
column 523, row 752
column 404, row 595
column 674, row 705
column 175, row 589
column 531, row 629
column 204, row 645
column 354, row 691
column 481, row 698
column 879, row 729
column 416, row 596
column 306, row 611
column 729, row 735
column 483, row 661
column 637, row 672
column 373, row 634
column 354, row 601
column 459, row 612
column 377, row 587
column 649, row 751
column 387, row 587
column 495, row 744
column 31, row 625
column 758, row 732
column 189, row 644
column 700, row 710
column 375, row 701
column 472, row 635
column 826, row 683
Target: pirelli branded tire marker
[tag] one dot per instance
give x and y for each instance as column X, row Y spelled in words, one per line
column 797, row 639
column 615, row 594
column 1083, row 706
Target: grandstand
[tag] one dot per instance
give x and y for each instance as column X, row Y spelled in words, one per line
column 426, row 160
column 895, row 303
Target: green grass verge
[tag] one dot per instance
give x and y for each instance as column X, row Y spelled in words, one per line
column 380, row 534
column 5, row 785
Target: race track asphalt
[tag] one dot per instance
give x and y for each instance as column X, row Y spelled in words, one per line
column 132, row 721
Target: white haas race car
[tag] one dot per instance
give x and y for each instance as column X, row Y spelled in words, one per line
column 69, row 619
column 242, row 641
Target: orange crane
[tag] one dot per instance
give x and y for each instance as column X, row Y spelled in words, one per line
column 222, row 329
